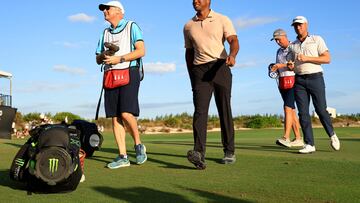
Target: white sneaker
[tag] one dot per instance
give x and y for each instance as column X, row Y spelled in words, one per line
column 283, row 142
column 297, row 143
column 335, row 143
column 307, row 149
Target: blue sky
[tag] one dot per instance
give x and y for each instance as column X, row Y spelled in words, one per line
column 50, row 50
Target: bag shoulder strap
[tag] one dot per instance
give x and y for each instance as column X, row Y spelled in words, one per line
column 139, row 60
column 99, row 102
column 20, row 162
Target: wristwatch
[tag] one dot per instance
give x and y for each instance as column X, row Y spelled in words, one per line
column 122, row 59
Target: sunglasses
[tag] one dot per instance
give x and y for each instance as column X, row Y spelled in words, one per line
column 105, row 8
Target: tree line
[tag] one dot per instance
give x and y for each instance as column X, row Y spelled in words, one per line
column 184, row 120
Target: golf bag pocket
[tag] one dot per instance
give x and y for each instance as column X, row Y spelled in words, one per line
column 286, row 82
column 116, row 78
column 90, row 138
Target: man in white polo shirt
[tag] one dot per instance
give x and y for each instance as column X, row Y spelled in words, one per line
column 309, row 52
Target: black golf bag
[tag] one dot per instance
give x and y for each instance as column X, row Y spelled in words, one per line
column 90, row 137
column 49, row 161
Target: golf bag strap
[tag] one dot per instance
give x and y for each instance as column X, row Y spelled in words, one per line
column 20, row 162
column 98, row 105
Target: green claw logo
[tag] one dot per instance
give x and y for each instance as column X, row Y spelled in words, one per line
column 53, row 165
column 20, row 162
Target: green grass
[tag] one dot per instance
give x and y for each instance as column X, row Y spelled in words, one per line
column 263, row 172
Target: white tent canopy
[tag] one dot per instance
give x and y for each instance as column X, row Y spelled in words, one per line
column 5, row 74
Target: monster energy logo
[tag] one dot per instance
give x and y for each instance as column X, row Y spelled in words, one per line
column 53, row 165
column 19, row 162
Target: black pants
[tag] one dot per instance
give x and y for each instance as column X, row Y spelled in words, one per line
column 206, row 79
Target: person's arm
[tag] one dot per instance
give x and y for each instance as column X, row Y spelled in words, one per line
column 323, row 58
column 234, row 49
column 138, row 52
column 278, row 66
column 99, row 50
column 189, row 57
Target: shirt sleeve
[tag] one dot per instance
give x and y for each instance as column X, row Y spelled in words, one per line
column 321, row 45
column 277, row 56
column 136, row 34
column 100, row 46
column 291, row 53
column 229, row 28
column 187, row 40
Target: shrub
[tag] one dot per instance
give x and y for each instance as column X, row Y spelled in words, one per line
column 62, row 115
column 265, row 121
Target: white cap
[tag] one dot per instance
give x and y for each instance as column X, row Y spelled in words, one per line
column 299, row 19
column 112, row 3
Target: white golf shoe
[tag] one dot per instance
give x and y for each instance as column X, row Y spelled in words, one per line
column 335, row 143
column 307, row 149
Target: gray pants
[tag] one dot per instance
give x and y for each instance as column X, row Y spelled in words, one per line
column 306, row 86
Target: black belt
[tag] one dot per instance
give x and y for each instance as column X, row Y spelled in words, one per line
column 308, row 76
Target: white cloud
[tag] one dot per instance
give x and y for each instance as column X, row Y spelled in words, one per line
column 159, row 67
column 38, row 86
column 246, row 64
column 81, row 17
column 244, row 22
column 66, row 69
column 67, row 44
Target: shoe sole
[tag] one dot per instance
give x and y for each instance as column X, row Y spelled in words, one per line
column 296, row 145
column 139, row 163
column 228, row 161
column 334, row 147
column 306, row 152
column 281, row 144
column 120, row 166
column 196, row 160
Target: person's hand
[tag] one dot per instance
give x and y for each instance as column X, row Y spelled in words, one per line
column 301, row 57
column 111, row 60
column 101, row 57
column 230, row 61
column 291, row 65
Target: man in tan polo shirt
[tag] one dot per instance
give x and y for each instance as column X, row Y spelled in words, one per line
column 209, row 70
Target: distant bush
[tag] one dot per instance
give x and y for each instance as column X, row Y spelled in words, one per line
column 31, row 117
column 172, row 122
column 58, row 117
column 106, row 122
column 266, row 121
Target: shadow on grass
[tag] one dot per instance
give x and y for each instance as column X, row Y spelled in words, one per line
column 212, row 197
column 172, row 165
column 13, row 144
column 7, row 182
column 100, row 159
column 143, row 194
column 350, row 139
column 151, row 158
column 140, row 194
column 238, row 146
